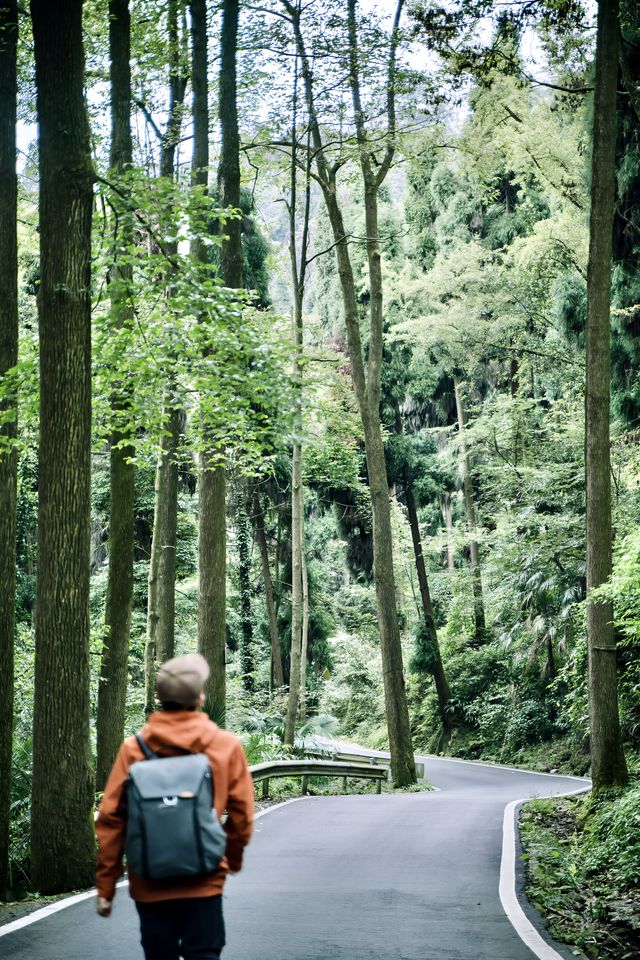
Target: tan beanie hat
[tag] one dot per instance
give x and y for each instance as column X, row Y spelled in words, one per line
column 182, row 679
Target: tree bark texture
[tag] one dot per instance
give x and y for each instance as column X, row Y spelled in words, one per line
column 608, row 763
column 212, row 513
column 212, row 522
column 212, row 556
column 212, row 484
column 231, row 260
column 162, row 565
column 366, row 380
column 62, row 838
column 276, row 655
column 244, row 576
column 8, row 430
column 480, row 630
column 168, row 471
column 112, row 689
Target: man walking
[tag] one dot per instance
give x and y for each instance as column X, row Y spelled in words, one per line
column 178, row 917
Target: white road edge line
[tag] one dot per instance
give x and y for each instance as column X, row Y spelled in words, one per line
column 500, row 766
column 508, row 890
column 52, row 908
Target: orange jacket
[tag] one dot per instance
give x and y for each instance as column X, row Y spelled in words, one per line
column 233, row 792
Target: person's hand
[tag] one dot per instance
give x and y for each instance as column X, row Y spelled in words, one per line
column 103, row 906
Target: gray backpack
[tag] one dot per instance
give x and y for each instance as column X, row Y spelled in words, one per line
column 172, row 829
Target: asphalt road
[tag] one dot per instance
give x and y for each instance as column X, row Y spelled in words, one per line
column 402, row 876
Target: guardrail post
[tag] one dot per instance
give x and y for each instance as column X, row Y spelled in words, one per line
column 379, row 786
column 344, row 784
column 265, row 789
column 305, row 780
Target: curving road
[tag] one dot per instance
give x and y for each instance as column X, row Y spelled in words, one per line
column 402, row 876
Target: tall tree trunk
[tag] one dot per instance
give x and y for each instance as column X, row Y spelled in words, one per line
column 62, row 838
column 276, row 655
column 439, row 676
column 297, row 669
column 162, row 565
column 607, row 756
column 168, row 469
column 366, row 379
column 112, row 690
column 212, row 513
column 161, row 591
column 244, row 576
column 476, row 570
column 8, row 408
column 211, row 484
column 304, row 646
column 448, row 525
column 296, row 595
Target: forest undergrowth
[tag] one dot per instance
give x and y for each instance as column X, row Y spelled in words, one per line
column 581, row 856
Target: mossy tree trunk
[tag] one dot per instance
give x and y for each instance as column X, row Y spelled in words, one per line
column 112, row 689
column 608, row 763
column 62, row 838
column 8, row 409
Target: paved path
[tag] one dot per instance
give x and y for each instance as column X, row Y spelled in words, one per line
column 402, row 876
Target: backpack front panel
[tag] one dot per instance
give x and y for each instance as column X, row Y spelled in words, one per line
column 172, row 829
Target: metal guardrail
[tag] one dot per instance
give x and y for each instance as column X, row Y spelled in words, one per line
column 264, row 772
column 374, row 761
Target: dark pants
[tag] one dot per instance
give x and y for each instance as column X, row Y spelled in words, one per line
column 192, row 928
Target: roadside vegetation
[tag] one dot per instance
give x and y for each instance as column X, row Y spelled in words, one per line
column 582, row 857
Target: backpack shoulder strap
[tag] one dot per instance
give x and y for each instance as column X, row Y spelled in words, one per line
column 148, row 752
column 154, row 755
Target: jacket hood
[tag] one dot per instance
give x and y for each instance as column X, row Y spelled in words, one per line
column 190, row 729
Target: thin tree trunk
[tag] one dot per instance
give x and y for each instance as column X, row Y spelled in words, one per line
column 168, row 468
column 607, row 755
column 212, row 513
column 305, row 622
column 162, row 565
column 276, row 656
column 244, row 576
column 366, row 380
column 298, row 275
column 9, row 410
column 112, row 690
column 296, row 595
column 439, row 676
column 476, row 570
column 448, row 525
column 211, row 484
column 62, row 838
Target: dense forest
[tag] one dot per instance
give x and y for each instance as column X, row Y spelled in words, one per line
column 319, row 354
